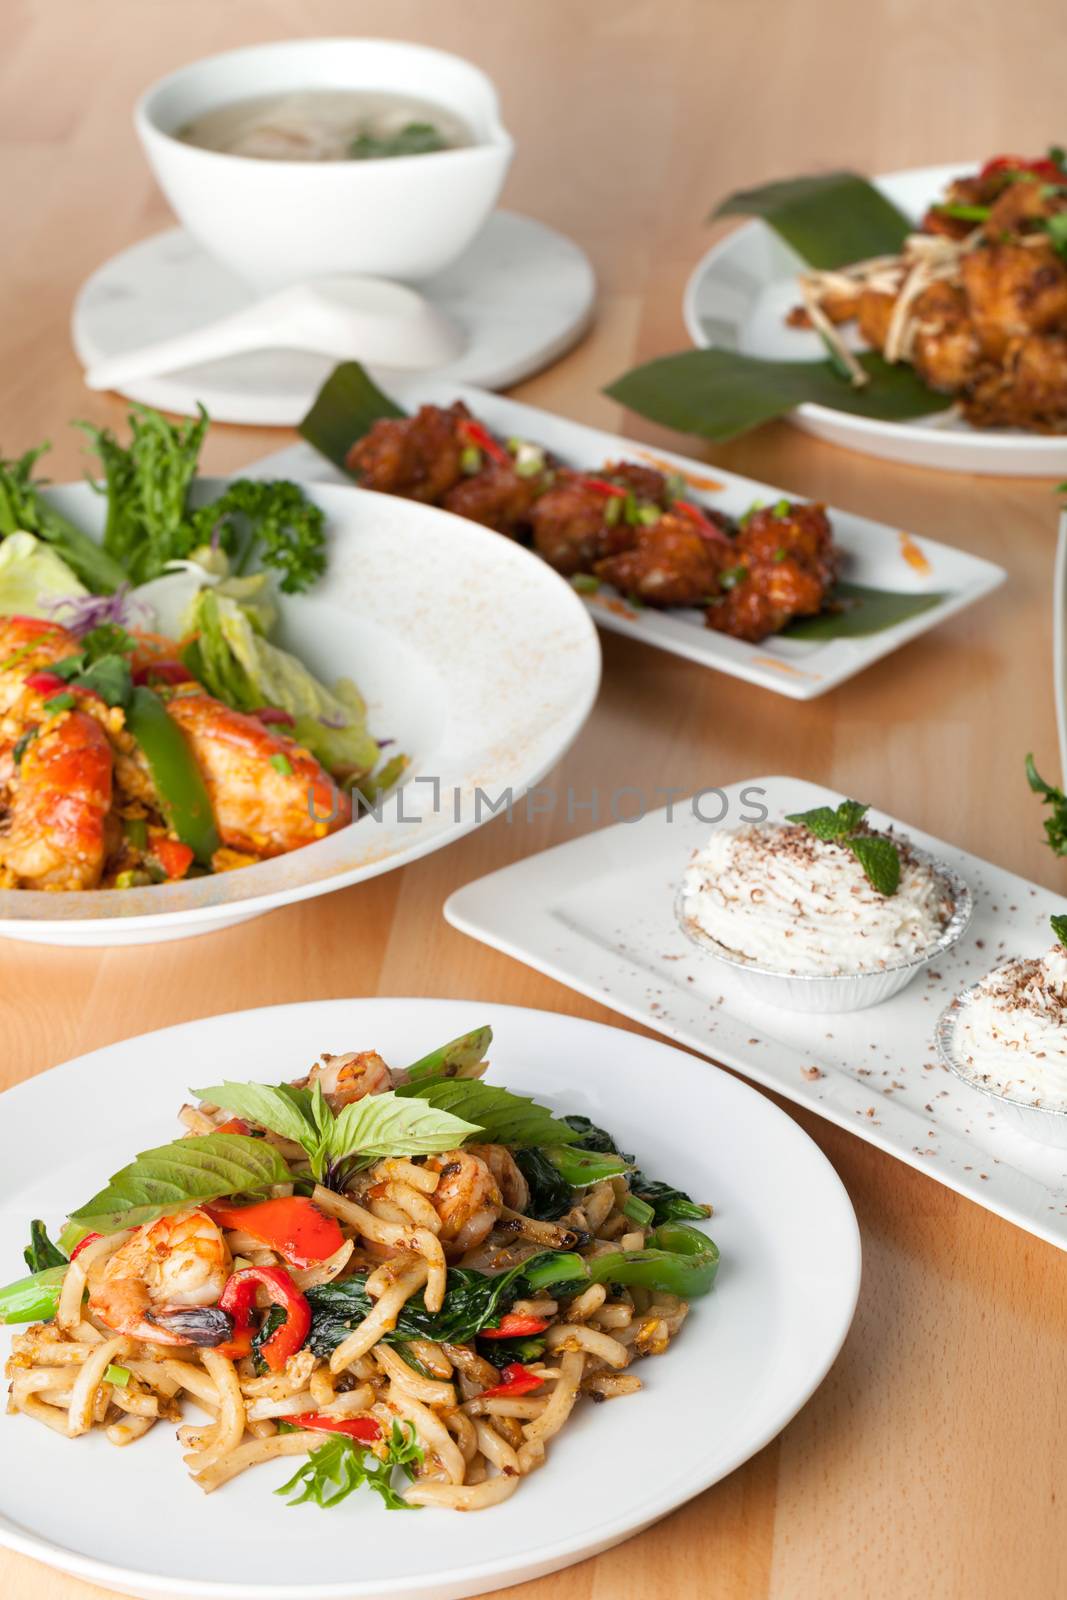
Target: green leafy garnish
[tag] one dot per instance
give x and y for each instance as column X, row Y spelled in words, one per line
column 413, row 139
column 341, row 1465
column 878, row 856
column 22, row 744
column 1056, row 824
column 1059, row 928
column 33, row 1299
column 853, row 611
column 459, row 1058
column 271, row 519
column 23, row 507
column 501, row 1116
column 345, row 408
column 830, row 219
column 581, row 1168
column 669, row 1204
column 1056, row 228
column 189, row 1171
column 368, row 1130
column 41, row 1253
column 550, row 1194
column 720, row 394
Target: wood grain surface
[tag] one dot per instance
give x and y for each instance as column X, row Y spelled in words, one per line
column 930, row 1461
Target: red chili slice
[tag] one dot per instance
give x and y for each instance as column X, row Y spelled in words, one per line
column 365, row 1429
column 517, row 1380
column 514, row 1326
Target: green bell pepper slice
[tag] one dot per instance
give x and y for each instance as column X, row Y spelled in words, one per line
column 677, row 1260
column 580, row 1168
column 33, row 1299
column 179, row 783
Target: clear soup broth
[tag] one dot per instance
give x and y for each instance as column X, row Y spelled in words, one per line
column 328, row 125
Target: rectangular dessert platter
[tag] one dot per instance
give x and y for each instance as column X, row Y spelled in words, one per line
column 598, row 915
column 876, row 555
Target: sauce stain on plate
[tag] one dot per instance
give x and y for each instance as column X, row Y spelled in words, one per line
column 787, row 667
column 913, row 555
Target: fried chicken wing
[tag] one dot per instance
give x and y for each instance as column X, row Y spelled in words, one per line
column 55, row 834
column 945, row 348
column 498, row 497
column 1028, row 390
column 568, row 524
column 418, row 457
column 671, row 563
column 784, row 564
column 269, row 795
column 1013, row 290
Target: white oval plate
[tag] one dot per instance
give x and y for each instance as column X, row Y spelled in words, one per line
column 750, row 1355
column 737, row 297
column 477, row 660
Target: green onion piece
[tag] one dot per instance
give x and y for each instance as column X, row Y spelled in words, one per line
column 282, row 764
column 134, row 878
column 637, row 1210
column 648, row 516
column 585, row 582
column 613, row 511
column 136, row 831
column 119, row 1376
column 470, row 460
column 781, row 508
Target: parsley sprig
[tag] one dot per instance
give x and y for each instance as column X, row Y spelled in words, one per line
column 843, row 825
column 341, row 1465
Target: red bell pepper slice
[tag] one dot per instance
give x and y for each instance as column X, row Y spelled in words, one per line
column 238, row 1300
column 234, row 1125
column 365, row 1429
column 293, row 1226
column 517, row 1380
column 703, row 524
column 514, row 1326
column 474, row 433
column 80, row 1246
column 1042, row 167
column 174, row 857
column 46, row 683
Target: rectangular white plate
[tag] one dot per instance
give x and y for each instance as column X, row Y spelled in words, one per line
column 876, row 555
column 597, row 914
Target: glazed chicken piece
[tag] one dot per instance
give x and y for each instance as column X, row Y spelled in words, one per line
column 784, row 565
column 28, row 644
column 417, row 457
column 498, row 497
column 568, row 524
column 268, row 794
column 645, row 483
column 1022, row 208
column 945, row 349
column 55, row 835
column 1013, row 290
column 1028, row 390
column 670, row 563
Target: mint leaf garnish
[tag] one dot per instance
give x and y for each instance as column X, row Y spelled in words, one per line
column 1056, row 824
column 880, row 860
column 879, row 857
column 1059, row 928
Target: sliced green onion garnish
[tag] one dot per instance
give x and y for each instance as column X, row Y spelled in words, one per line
column 637, row 1210
column 119, row 1376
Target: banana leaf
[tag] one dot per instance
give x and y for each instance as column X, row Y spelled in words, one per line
column 830, row 219
column 853, row 611
column 345, row 408
column 720, row 394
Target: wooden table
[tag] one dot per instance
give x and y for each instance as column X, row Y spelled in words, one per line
column 930, row 1460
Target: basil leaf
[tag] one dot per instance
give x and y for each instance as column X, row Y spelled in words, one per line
column 854, row 611
column 279, row 1109
column 880, row 860
column 187, row 1172
column 345, row 408
column 720, row 394
column 550, row 1196
column 501, row 1117
column 388, row 1125
column 460, row 1058
column 830, row 219
column 41, row 1253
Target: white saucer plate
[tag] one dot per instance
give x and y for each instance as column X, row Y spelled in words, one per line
column 403, row 583
column 597, row 914
column 522, row 293
column 737, row 297
column 876, row 555
column 749, row 1356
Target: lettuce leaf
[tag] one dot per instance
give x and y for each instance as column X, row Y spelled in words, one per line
column 32, row 575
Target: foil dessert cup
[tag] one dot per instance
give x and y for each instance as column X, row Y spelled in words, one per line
column 1045, row 1124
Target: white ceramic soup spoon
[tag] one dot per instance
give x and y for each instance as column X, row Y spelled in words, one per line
column 349, row 318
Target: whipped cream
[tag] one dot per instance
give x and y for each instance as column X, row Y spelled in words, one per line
column 1010, row 1034
column 777, row 896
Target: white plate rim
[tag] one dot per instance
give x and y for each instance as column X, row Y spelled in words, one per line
column 551, row 1557
column 18, row 907
column 1039, row 445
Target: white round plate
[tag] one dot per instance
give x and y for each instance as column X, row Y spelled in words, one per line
column 522, row 293
column 476, row 659
column 737, row 298
column 749, row 1356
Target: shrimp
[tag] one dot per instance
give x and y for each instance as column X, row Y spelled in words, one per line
column 26, row 645
column 466, row 1199
column 502, row 1164
column 158, row 1285
column 56, row 835
column 269, row 795
column 349, row 1077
